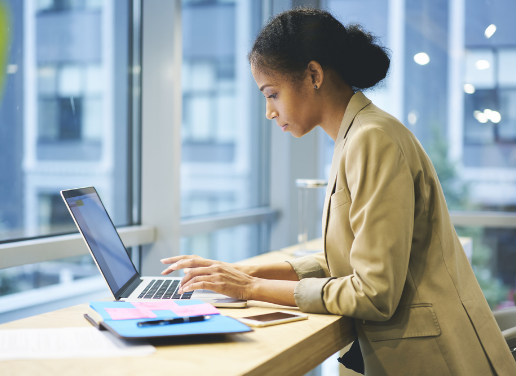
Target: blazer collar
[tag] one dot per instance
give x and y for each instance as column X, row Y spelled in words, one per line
column 357, row 102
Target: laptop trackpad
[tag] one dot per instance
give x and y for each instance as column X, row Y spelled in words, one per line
column 208, row 295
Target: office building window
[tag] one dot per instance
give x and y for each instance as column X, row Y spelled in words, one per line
column 64, row 123
column 70, row 102
column 64, row 114
column 452, row 83
column 489, row 103
column 221, row 142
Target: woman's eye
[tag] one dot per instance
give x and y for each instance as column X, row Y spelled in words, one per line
column 272, row 96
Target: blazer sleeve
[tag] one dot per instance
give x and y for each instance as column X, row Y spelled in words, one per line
column 381, row 216
column 312, row 266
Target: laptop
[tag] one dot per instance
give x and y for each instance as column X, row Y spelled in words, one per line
column 114, row 263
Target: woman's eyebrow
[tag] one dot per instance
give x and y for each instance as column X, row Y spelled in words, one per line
column 264, row 86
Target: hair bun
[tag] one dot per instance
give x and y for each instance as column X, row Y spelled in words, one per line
column 293, row 38
column 367, row 62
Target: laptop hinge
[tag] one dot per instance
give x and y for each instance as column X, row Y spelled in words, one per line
column 129, row 289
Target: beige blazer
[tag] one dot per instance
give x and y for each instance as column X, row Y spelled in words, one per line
column 393, row 261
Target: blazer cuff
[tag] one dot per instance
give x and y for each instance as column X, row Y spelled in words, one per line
column 309, row 295
column 307, row 267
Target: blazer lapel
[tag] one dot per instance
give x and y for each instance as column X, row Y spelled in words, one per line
column 356, row 103
column 331, row 184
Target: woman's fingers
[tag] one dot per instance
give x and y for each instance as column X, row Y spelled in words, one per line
column 191, row 263
column 188, row 263
column 202, row 282
column 204, row 274
column 171, row 260
column 205, row 285
column 219, row 278
column 200, row 271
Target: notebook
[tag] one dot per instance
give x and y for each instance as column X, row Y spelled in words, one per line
column 111, row 316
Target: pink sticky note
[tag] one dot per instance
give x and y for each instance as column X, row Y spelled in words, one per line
column 156, row 306
column 129, row 313
column 147, row 312
column 195, row 310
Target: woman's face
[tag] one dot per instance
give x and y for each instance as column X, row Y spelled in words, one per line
column 291, row 104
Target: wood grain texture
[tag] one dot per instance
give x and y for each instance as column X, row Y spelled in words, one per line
column 289, row 349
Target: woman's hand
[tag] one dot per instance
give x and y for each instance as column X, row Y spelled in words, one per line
column 204, row 274
column 185, row 262
column 276, row 271
column 274, row 283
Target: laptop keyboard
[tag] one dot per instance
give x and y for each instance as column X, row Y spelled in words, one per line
column 163, row 289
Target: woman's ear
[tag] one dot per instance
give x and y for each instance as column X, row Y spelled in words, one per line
column 316, row 74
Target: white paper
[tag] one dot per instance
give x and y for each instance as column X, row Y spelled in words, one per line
column 64, row 343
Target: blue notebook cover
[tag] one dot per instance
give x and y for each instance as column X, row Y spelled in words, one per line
column 217, row 324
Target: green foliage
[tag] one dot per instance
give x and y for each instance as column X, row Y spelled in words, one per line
column 494, row 290
column 456, row 191
column 4, row 40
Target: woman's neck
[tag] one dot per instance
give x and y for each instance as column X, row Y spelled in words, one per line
column 334, row 99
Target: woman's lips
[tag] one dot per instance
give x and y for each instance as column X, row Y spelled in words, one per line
column 284, row 127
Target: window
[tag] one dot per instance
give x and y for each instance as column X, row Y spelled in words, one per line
column 460, row 104
column 223, row 139
column 489, row 116
column 221, row 131
column 64, row 122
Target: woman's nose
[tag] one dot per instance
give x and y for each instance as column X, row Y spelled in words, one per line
column 270, row 113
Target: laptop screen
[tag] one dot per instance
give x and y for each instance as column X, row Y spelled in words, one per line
column 101, row 236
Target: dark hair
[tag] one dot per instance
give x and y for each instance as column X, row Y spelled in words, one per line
column 293, row 38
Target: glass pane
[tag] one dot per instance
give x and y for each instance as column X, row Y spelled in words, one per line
column 461, row 103
column 506, row 64
column 229, row 245
column 64, row 113
column 479, row 68
column 221, row 114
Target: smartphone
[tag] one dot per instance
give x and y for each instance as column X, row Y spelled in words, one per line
column 274, row 318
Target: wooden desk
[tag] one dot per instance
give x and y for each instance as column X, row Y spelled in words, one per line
column 290, row 349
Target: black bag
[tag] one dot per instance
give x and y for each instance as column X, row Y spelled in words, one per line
column 353, row 358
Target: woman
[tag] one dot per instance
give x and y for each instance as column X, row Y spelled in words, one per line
column 392, row 259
